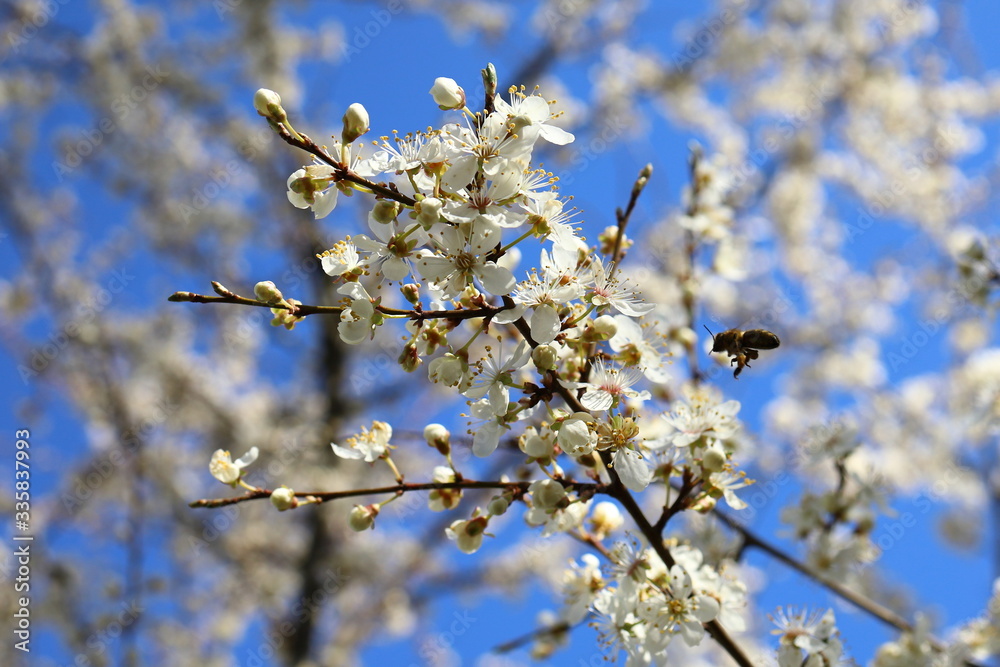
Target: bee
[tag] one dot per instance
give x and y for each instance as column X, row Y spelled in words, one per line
column 742, row 346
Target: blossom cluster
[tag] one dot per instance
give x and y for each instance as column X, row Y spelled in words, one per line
column 553, row 358
column 561, row 350
column 641, row 604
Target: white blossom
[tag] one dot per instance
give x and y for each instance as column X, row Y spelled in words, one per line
column 367, row 445
column 227, row 471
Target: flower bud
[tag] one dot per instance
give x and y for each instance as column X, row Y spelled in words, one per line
column 535, row 445
column 575, row 436
column 438, row 437
column 409, row 358
column 284, row 499
column 468, row 534
column 362, row 517
column 268, row 104
column 714, row 458
column 606, row 518
column 411, row 292
column 448, row 370
column 498, row 506
column 428, row 211
column 267, row 292
column 447, row 93
column 605, row 326
column 385, row 211
column 355, row 122
column 686, row 337
column 547, row 493
column 490, row 79
column 544, row 357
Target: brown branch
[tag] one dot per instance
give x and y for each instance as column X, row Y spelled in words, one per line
column 398, row 489
column 655, row 539
column 880, row 612
column 343, row 172
column 518, row 642
column 618, row 491
column 622, row 218
column 679, row 503
column 302, row 309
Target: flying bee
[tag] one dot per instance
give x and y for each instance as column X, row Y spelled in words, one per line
column 742, row 346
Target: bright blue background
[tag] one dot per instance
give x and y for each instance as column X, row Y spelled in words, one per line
column 412, row 51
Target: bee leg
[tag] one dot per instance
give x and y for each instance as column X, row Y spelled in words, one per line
column 741, row 362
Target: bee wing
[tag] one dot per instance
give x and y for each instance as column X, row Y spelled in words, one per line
column 760, row 339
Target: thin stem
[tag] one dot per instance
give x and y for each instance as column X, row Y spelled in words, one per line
column 623, row 496
column 618, row 491
column 514, row 242
column 302, row 309
column 880, row 612
column 343, row 172
column 624, row 217
column 322, row 496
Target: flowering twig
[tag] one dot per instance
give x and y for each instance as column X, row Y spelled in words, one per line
column 343, row 172
column 537, row 633
column 622, row 217
column 225, row 296
column 654, row 537
column 399, row 489
column 302, row 309
column 882, row 613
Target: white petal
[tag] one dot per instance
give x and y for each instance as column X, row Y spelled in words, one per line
column 510, row 315
column 498, row 398
column 597, row 399
column 734, row 500
column 545, row 323
column 395, row 269
column 496, row 279
column 345, row 453
column 557, row 135
column 632, row 470
column 247, row 458
column 477, row 391
column 325, row 203
column 692, row 632
column 460, row 173
column 486, row 439
column 708, row 608
column 435, row 268
column 507, row 183
column 522, row 353
column 637, row 309
column 353, row 332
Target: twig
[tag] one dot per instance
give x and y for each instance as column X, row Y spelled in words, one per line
column 343, row 172
column 880, row 612
column 399, row 489
column 622, row 218
column 302, row 310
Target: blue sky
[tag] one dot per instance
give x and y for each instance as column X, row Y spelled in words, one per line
column 399, row 100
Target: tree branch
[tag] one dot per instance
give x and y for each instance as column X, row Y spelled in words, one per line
column 398, row 489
